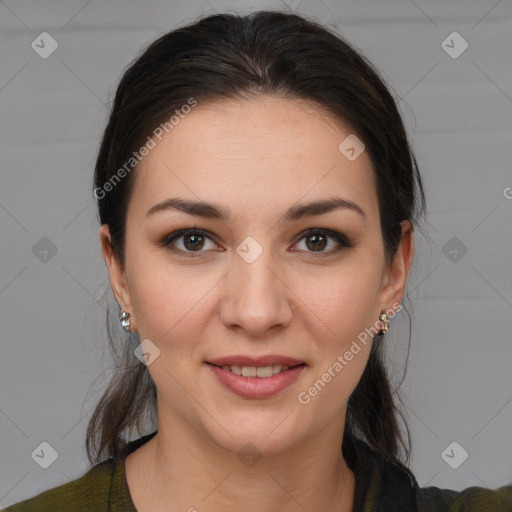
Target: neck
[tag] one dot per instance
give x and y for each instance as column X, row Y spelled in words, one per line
column 183, row 470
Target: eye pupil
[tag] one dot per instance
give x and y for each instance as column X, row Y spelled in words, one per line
column 319, row 244
column 195, row 244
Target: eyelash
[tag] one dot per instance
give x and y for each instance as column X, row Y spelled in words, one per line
column 342, row 240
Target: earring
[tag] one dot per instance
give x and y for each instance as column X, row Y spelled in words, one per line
column 383, row 317
column 125, row 320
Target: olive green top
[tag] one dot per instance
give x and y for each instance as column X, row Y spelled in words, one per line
column 381, row 486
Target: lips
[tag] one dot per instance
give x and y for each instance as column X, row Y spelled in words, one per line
column 268, row 360
column 260, row 386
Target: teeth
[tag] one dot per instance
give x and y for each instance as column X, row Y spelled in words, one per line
column 252, row 371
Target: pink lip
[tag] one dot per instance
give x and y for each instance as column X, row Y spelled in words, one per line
column 256, row 387
column 268, row 360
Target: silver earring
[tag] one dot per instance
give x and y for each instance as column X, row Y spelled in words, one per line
column 126, row 320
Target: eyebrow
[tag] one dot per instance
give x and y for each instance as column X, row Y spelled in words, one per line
column 294, row 213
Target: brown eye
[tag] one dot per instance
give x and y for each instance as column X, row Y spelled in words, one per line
column 318, row 240
column 193, row 241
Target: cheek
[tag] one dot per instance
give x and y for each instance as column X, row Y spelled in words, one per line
column 339, row 309
column 168, row 299
column 342, row 301
column 333, row 379
column 356, row 309
column 156, row 294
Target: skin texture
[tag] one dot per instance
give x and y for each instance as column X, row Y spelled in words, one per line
column 256, row 157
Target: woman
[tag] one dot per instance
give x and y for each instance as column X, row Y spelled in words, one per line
column 257, row 198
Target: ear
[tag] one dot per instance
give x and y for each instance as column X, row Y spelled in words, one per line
column 395, row 277
column 116, row 271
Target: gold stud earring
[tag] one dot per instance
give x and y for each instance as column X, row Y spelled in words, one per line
column 383, row 317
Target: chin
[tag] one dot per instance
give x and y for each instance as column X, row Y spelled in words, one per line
column 269, row 438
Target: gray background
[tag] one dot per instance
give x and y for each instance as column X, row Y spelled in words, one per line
column 55, row 361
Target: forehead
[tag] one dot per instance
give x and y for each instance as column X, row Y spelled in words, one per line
column 255, row 155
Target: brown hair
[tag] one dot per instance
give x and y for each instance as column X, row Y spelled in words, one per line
column 235, row 56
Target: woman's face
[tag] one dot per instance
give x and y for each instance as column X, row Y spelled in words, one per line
column 256, row 282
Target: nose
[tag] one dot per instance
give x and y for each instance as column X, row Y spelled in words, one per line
column 256, row 297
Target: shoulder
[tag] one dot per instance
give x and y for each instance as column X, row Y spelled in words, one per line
column 385, row 485
column 89, row 492
column 475, row 499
